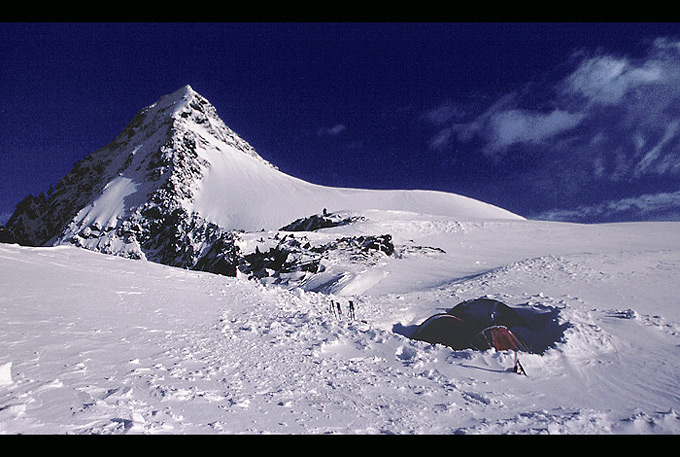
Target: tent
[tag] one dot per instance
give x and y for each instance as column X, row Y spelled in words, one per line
column 480, row 324
column 500, row 338
column 447, row 330
column 486, row 312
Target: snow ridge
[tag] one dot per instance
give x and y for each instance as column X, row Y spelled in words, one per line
column 128, row 197
column 177, row 185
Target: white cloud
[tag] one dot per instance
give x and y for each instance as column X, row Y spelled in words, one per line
column 607, row 79
column 442, row 138
column 522, row 126
column 504, row 125
column 444, row 113
column 611, row 121
column 643, row 207
column 612, row 115
column 597, row 79
column 664, row 43
column 331, row 131
column 654, row 155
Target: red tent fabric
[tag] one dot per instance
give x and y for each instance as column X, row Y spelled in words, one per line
column 500, row 338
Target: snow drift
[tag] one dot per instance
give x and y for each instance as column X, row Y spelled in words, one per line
column 102, row 344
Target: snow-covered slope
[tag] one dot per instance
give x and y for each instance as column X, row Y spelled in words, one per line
column 91, row 343
column 238, row 192
column 177, row 178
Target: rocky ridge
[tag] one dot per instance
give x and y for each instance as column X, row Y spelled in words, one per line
column 132, row 198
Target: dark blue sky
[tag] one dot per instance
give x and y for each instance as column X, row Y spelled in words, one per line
column 570, row 121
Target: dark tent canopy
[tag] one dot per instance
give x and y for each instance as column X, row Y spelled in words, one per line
column 446, row 329
column 480, row 324
column 485, row 312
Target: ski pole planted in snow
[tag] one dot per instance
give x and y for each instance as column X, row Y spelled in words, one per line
column 518, row 368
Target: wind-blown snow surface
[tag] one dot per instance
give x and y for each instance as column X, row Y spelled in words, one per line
column 256, row 196
column 91, row 343
column 243, row 191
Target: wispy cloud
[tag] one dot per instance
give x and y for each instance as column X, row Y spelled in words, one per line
column 658, row 159
column 503, row 125
column 612, row 118
column 520, row 126
column 664, row 205
column 612, row 94
column 606, row 80
column 331, row 131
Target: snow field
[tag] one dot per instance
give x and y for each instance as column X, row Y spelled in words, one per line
column 96, row 344
column 100, row 344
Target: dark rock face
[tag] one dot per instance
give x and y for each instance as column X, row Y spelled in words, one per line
column 319, row 221
column 297, row 255
column 155, row 148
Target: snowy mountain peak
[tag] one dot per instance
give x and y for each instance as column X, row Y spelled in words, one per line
column 184, row 92
column 154, row 162
column 177, row 181
column 181, row 96
column 180, row 112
